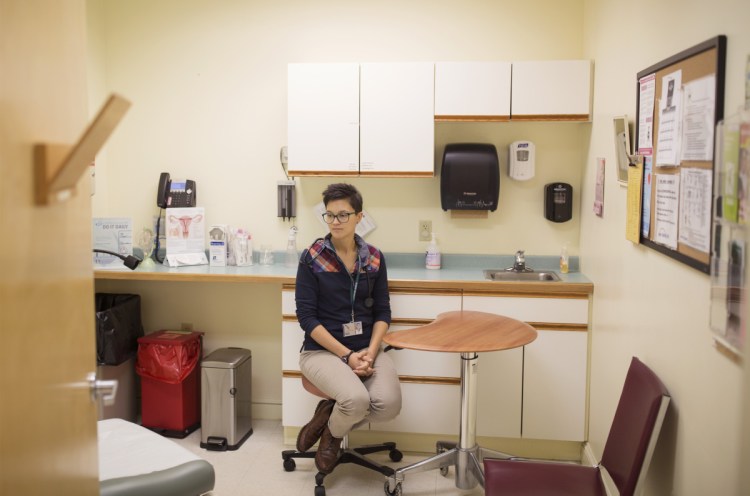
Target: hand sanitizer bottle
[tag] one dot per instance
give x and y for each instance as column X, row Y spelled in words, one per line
column 432, row 257
column 564, row 259
column 292, row 257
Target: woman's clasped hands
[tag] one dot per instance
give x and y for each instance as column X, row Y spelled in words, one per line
column 361, row 363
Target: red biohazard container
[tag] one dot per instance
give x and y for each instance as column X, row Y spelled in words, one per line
column 170, row 381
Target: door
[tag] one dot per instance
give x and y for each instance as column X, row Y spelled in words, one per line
column 47, row 420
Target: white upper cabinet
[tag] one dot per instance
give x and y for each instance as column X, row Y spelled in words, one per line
column 472, row 91
column 397, row 130
column 551, row 90
column 323, row 119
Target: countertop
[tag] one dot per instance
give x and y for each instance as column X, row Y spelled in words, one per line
column 405, row 271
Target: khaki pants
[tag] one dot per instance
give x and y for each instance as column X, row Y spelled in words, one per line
column 358, row 400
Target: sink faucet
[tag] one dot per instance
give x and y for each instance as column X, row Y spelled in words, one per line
column 520, row 264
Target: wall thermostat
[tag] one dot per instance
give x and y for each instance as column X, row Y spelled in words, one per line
column 521, row 156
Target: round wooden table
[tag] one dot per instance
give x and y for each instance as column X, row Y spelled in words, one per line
column 468, row 333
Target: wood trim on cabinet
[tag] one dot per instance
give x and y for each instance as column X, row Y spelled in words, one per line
column 551, row 117
column 531, row 294
column 410, row 322
column 557, row 326
column 520, row 289
column 323, row 173
column 397, row 290
column 376, row 173
column 472, row 118
column 407, row 379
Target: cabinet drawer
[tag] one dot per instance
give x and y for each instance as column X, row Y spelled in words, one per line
column 288, row 303
column 292, row 337
column 417, row 363
column 426, row 409
column 297, row 405
column 422, row 306
column 552, row 310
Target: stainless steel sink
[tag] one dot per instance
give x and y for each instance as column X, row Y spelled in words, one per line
column 506, row 275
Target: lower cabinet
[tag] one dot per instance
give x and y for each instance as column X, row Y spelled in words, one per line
column 554, row 386
column 534, row 392
column 551, row 373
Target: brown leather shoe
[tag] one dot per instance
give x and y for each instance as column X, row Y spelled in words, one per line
column 328, row 454
column 311, row 432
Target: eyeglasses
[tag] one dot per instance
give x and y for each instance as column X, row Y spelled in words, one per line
column 343, row 217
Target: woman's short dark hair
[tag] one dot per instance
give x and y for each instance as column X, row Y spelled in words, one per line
column 343, row 191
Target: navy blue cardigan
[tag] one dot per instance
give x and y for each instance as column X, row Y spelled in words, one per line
column 323, row 292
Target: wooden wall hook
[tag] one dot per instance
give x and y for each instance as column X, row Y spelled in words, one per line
column 58, row 168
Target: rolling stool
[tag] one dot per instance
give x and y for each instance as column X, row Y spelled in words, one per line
column 348, row 455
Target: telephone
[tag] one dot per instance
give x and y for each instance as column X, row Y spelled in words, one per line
column 175, row 194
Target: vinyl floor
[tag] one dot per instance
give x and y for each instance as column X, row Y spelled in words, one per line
column 256, row 468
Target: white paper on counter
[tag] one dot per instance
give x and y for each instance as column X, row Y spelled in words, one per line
column 186, row 234
column 666, row 210
column 112, row 234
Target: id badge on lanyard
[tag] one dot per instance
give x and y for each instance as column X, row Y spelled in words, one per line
column 353, row 328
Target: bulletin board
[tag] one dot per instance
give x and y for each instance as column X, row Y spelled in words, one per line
column 680, row 100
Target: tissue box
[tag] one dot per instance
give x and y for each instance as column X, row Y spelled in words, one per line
column 218, row 237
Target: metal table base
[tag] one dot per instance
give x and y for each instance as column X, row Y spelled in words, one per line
column 466, row 456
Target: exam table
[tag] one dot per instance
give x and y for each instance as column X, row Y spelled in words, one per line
column 136, row 461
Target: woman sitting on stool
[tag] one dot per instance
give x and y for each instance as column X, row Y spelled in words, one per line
column 344, row 308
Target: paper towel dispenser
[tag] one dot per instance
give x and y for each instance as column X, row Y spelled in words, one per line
column 470, row 177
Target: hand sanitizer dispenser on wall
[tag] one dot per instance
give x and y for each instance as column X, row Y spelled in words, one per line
column 521, row 155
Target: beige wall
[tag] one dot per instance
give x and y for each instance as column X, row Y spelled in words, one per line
column 208, row 86
column 208, row 83
column 646, row 304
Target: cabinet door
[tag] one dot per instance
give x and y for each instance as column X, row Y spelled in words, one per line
column 426, row 409
column 554, row 386
column 551, row 90
column 472, row 91
column 499, row 380
column 397, row 126
column 323, row 119
column 552, row 371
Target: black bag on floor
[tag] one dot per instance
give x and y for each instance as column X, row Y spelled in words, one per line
column 118, row 327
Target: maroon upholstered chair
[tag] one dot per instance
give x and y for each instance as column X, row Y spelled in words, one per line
column 348, row 455
column 627, row 453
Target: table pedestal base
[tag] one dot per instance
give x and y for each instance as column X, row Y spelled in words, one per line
column 467, row 462
column 466, row 455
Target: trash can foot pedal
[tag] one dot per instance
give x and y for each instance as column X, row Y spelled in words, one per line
column 214, row 443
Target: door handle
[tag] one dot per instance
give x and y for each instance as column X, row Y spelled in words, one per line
column 102, row 390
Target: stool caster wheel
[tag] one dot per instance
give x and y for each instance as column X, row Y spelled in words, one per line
column 320, row 491
column 395, row 455
column 396, row 491
column 290, row 465
column 444, row 471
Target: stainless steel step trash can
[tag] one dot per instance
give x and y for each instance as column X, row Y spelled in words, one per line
column 226, row 418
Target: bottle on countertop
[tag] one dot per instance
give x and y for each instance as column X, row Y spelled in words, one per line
column 564, row 259
column 432, row 257
column 292, row 257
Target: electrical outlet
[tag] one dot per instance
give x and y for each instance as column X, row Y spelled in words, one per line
column 425, row 230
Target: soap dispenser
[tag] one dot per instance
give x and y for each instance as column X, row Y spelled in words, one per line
column 432, row 257
column 292, row 257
